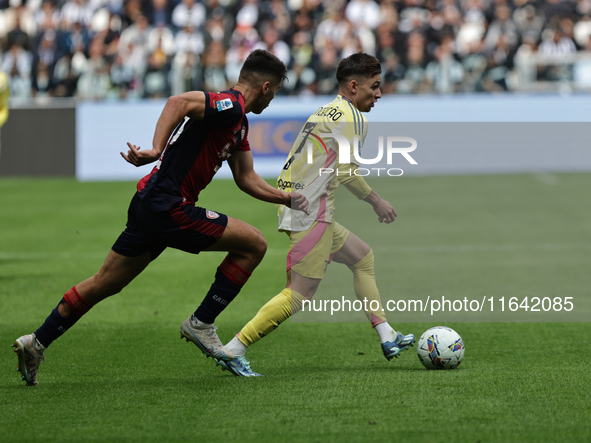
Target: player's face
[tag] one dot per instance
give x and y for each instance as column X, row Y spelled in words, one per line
column 268, row 92
column 368, row 93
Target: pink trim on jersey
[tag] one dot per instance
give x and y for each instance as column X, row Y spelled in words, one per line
column 322, row 208
column 332, row 154
column 331, row 256
column 305, row 245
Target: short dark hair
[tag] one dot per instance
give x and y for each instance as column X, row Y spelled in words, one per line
column 261, row 64
column 357, row 66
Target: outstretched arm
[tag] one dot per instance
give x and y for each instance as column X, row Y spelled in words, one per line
column 383, row 208
column 250, row 182
column 189, row 104
column 357, row 185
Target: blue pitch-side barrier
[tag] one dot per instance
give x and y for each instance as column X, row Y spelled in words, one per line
column 102, row 129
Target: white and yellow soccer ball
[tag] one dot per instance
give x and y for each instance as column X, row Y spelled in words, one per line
column 440, row 348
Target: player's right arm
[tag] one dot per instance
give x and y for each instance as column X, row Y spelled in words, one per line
column 249, row 181
column 189, row 104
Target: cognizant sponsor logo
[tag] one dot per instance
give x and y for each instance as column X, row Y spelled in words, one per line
column 285, row 184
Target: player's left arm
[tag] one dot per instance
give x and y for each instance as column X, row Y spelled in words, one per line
column 383, row 208
column 249, row 181
column 356, row 184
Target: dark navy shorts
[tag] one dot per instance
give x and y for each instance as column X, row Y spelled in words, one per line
column 186, row 227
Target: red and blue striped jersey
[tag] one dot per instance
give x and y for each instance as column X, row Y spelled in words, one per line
column 195, row 152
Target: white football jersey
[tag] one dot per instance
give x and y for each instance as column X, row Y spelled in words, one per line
column 312, row 160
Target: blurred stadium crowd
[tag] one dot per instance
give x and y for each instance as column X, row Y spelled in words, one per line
column 126, row 49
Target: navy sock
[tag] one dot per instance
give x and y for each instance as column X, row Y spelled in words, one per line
column 55, row 325
column 221, row 293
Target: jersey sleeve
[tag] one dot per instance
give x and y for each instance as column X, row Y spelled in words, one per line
column 244, row 144
column 355, row 183
column 222, row 109
column 353, row 125
column 357, row 132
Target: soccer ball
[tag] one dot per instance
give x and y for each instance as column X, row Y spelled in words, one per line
column 440, row 348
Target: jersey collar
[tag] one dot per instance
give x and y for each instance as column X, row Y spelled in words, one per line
column 235, row 91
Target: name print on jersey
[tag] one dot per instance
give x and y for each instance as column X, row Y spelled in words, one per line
column 330, row 112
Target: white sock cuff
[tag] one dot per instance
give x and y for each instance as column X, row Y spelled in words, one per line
column 236, row 347
column 385, row 332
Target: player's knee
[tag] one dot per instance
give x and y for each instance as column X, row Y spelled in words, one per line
column 110, row 289
column 260, row 247
column 365, row 265
column 103, row 286
column 115, row 289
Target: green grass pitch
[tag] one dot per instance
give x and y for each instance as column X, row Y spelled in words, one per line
column 122, row 374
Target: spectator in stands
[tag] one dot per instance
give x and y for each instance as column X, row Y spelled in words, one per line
column 188, row 12
column 276, row 12
column 475, row 64
column 392, row 74
column 235, row 57
column 17, row 64
column 499, row 63
column 156, row 78
column 529, row 23
column 95, row 81
column 185, row 73
column 582, row 31
column 77, row 38
column 17, row 33
column 415, row 63
column 248, row 15
column 363, row 13
column 557, row 8
column 48, row 16
column 66, row 75
column 111, row 36
column 556, row 43
column 216, row 26
column 132, row 9
column 326, row 70
column 214, row 61
column 75, row 11
column 332, row 31
column 270, row 42
column 444, row 74
column 122, row 77
column 188, row 40
column 301, row 48
column 136, row 34
column 309, row 35
column 45, row 56
column 159, row 12
column 161, row 37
